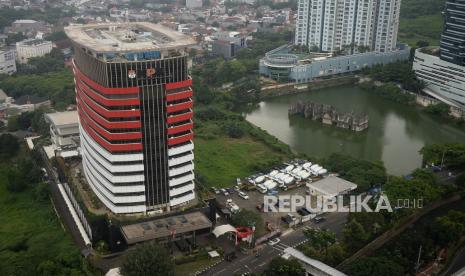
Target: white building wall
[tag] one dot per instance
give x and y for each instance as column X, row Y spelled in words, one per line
column 332, row 24
column 25, row 51
column 445, row 79
column 7, row 62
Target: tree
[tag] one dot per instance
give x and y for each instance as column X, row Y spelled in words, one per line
column 249, row 218
column 281, row 267
column 422, row 43
column 452, row 155
column 234, row 130
column 148, row 259
column 354, row 235
column 9, row 145
column 379, row 266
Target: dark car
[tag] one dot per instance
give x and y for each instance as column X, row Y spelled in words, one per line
column 319, row 219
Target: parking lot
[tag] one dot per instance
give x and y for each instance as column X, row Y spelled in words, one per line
column 256, row 198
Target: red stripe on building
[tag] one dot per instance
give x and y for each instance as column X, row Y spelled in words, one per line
column 181, row 128
column 108, row 135
column 103, row 89
column 179, row 84
column 180, row 140
column 104, row 101
column 108, row 146
column 107, row 124
column 179, row 107
column 107, row 113
column 179, row 118
column 179, row 95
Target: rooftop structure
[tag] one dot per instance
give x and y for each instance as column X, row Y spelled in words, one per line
column 165, row 227
column 64, row 132
column 127, row 37
column 63, row 118
column 331, row 186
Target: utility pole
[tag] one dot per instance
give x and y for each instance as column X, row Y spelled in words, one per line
column 417, row 266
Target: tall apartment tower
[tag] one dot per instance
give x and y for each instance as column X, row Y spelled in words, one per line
column 331, row 25
column 134, row 100
column 453, row 36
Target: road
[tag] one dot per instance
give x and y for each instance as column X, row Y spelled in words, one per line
column 250, row 263
column 60, row 205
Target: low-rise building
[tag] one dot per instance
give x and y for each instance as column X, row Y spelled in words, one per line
column 282, row 64
column 7, row 62
column 444, row 80
column 30, row 48
column 227, row 44
column 331, row 187
column 64, row 132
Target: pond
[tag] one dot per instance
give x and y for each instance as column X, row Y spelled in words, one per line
column 395, row 134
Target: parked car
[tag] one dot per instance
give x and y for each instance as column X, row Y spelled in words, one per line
column 237, row 188
column 238, row 181
column 243, row 195
column 319, row 219
column 274, row 241
column 215, row 190
column 225, row 192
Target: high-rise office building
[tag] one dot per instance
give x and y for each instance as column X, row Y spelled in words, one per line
column 443, row 70
column 331, row 25
column 134, row 102
column 453, row 36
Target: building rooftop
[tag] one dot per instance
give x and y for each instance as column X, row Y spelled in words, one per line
column 24, row 21
column 30, row 99
column 129, row 36
column 33, row 42
column 332, row 186
column 63, row 118
column 165, row 227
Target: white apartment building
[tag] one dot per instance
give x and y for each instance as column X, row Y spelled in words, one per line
column 29, row 48
column 331, row 25
column 193, row 4
column 7, row 62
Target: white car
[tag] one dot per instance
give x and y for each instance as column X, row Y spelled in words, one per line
column 274, row 241
column 243, row 195
column 225, row 192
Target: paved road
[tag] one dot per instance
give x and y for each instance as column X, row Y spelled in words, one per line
column 60, row 205
column 250, row 263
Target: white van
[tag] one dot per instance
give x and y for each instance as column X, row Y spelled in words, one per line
column 261, row 189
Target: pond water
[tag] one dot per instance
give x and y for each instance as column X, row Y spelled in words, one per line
column 395, row 134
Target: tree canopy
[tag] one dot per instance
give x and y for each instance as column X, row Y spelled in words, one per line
column 148, row 259
column 281, row 267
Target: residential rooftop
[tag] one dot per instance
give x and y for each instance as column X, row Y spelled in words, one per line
column 63, row 118
column 125, row 37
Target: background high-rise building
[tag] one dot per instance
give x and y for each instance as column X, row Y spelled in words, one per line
column 331, row 25
column 134, row 102
column 453, row 36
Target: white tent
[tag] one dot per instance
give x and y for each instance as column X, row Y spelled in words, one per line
column 223, row 229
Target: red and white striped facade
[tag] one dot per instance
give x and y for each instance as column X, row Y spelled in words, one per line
column 136, row 128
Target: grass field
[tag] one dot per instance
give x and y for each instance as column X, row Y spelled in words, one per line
column 30, row 233
column 422, row 28
column 220, row 159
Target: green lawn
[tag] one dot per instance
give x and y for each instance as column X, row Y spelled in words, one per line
column 220, row 161
column 30, row 233
column 425, row 28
